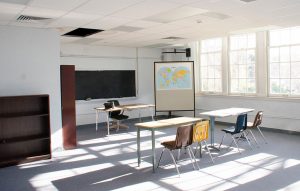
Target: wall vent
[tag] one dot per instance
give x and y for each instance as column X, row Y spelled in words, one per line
column 31, row 18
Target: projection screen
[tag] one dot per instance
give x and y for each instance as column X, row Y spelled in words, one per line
column 174, row 86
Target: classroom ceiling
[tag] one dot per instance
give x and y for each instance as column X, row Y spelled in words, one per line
column 150, row 23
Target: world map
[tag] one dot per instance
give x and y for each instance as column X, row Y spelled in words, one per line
column 173, row 77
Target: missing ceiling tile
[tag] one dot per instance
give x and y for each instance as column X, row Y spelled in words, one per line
column 82, row 32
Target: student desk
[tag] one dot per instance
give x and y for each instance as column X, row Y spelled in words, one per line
column 222, row 113
column 128, row 107
column 159, row 125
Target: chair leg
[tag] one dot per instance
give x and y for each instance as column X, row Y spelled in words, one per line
column 118, row 125
column 243, row 133
column 172, row 156
column 178, row 154
column 262, row 135
column 194, row 157
column 192, row 160
column 253, row 137
column 208, row 151
column 222, row 140
column 235, row 143
column 200, row 149
column 160, row 157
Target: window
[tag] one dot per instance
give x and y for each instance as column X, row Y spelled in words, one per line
column 210, row 67
column 242, row 64
column 284, row 62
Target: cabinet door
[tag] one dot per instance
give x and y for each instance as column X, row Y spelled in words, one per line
column 67, row 73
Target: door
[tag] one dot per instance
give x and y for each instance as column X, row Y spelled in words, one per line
column 67, row 76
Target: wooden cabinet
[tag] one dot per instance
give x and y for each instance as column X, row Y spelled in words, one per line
column 24, row 129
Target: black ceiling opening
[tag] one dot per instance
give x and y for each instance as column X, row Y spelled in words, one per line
column 82, row 32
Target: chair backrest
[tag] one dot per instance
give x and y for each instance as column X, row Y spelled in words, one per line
column 241, row 123
column 258, row 119
column 200, row 131
column 114, row 103
column 184, row 136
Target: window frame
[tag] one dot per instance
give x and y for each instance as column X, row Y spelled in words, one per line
column 229, row 65
column 200, row 67
column 268, row 47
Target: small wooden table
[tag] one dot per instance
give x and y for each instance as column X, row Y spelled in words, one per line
column 158, row 125
column 128, row 107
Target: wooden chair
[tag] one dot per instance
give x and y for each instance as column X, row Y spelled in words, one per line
column 184, row 138
column 257, row 122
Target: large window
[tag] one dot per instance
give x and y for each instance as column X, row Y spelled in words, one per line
column 211, row 65
column 284, row 62
column 242, row 64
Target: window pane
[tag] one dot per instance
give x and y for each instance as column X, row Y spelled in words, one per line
column 242, row 85
column 274, row 38
column 295, row 37
column 295, row 70
column 250, row 56
column 218, row 72
column 211, row 72
column 274, row 55
column 251, row 41
column 274, row 70
column 284, row 54
column 274, row 86
column 251, row 71
column 251, row 86
column 285, row 70
column 218, row 85
column 204, row 60
column 234, row 73
column 234, row 86
column 204, row 72
column 211, row 85
column 204, row 86
column 295, row 53
column 285, row 86
column 295, row 86
column 242, row 71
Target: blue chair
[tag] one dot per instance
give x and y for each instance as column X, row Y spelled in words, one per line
column 238, row 129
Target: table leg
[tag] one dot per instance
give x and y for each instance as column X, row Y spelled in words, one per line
column 138, row 142
column 212, row 133
column 212, row 130
column 140, row 115
column 107, row 121
column 97, row 116
column 153, row 150
column 151, row 111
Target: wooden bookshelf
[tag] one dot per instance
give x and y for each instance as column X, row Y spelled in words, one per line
column 24, row 129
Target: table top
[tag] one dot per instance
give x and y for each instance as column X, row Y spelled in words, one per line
column 227, row 112
column 165, row 123
column 125, row 107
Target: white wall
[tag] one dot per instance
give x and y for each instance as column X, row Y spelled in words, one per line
column 88, row 57
column 29, row 60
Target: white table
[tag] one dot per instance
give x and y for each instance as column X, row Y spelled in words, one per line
column 222, row 113
column 158, row 125
column 128, row 107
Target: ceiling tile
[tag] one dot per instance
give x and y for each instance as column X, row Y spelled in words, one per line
column 108, row 23
column 9, row 12
column 176, row 14
column 105, row 7
column 41, row 12
column 74, row 20
column 146, row 9
column 65, row 5
column 142, row 23
column 22, row 2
